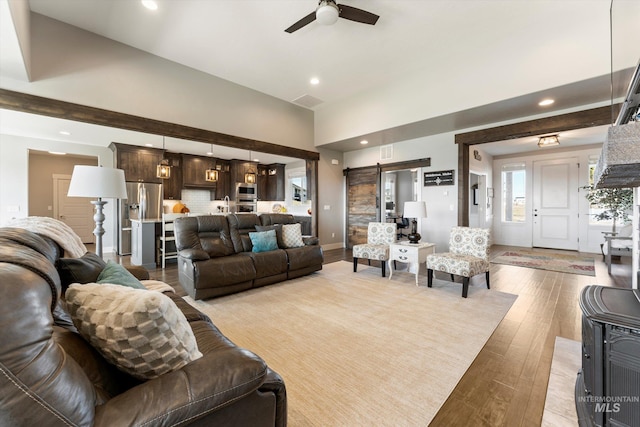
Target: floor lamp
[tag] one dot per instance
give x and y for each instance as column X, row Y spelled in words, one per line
column 96, row 181
column 414, row 210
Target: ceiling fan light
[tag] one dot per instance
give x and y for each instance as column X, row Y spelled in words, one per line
column 327, row 13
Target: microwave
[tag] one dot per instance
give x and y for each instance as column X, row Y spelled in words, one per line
column 246, row 193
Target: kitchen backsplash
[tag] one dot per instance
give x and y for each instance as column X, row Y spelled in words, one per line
column 197, row 201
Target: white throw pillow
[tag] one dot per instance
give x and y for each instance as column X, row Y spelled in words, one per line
column 142, row 332
column 292, row 235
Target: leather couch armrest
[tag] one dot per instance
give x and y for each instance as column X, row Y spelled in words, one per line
column 139, row 273
column 194, row 254
column 275, row 384
column 204, row 386
column 310, row 240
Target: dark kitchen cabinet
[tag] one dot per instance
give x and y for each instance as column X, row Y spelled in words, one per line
column 172, row 187
column 194, row 169
column 275, row 182
column 223, row 187
column 262, row 183
column 139, row 163
column 240, row 168
column 271, row 182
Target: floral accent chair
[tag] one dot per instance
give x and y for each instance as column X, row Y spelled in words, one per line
column 379, row 236
column 468, row 256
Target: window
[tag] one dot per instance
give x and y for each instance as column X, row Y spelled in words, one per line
column 594, row 208
column 514, row 202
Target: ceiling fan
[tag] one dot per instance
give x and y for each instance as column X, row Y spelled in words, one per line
column 328, row 12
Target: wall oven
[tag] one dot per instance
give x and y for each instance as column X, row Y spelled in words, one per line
column 246, row 197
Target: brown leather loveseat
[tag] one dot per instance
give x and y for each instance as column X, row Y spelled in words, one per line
column 215, row 254
column 51, row 376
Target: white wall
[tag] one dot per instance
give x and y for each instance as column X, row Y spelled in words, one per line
column 442, row 202
column 73, row 65
column 331, row 195
column 445, row 87
column 14, row 178
column 521, row 234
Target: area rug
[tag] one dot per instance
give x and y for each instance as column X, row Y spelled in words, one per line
column 356, row 349
column 549, row 261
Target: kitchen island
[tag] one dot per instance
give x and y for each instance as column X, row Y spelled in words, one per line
column 143, row 242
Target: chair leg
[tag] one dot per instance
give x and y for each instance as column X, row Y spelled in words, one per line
column 429, row 277
column 486, row 276
column 453, row 279
column 465, row 286
column 384, row 268
column 355, row 264
column 369, row 261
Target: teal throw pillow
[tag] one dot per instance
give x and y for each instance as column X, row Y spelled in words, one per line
column 118, row 275
column 264, row 241
column 278, row 228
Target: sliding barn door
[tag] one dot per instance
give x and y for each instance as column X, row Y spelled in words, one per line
column 363, row 198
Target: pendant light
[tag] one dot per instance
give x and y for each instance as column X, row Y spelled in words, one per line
column 250, row 176
column 211, row 174
column 163, row 170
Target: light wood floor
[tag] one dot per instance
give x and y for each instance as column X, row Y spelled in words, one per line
column 506, row 384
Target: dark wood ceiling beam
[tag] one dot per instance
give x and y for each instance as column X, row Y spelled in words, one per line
column 33, row 104
column 548, row 125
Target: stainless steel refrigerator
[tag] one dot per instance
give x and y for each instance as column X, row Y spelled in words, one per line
column 144, row 201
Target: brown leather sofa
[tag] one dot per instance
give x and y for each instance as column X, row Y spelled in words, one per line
column 215, row 255
column 50, row 376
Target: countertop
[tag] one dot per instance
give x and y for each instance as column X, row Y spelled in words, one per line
column 147, row 220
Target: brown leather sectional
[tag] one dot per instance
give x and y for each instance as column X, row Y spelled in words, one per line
column 51, row 376
column 215, row 255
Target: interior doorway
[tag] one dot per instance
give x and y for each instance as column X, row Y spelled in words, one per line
column 76, row 212
column 49, row 178
column 478, row 202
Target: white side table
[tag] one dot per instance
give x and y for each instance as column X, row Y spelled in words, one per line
column 410, row 253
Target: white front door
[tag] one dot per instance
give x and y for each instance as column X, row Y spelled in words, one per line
column 555, row 203
column 76, row 212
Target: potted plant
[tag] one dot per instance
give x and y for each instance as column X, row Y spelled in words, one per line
column 616, row 202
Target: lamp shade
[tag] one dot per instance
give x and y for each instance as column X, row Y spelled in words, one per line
column 415, row 210
column 96, row 181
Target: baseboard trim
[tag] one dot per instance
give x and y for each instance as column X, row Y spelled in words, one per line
column 330, row 246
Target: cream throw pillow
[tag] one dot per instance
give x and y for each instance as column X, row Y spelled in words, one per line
column 292, row 235
column 142, row 332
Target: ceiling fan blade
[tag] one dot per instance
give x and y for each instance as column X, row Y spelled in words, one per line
column 301, row 23
column 357, row 15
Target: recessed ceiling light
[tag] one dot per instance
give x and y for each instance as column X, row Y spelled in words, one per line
column 314, row 81
column 546, row 102
column 64, row 132
column 364, row 142
column 148, row 145
column 150, row 4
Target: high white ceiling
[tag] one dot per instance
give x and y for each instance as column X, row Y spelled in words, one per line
column 244, row 41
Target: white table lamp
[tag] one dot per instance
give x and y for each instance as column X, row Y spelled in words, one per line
column 414, row 210
column 96, row 181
